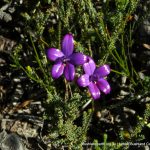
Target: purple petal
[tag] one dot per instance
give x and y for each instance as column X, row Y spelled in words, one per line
column 57, row 69
column 103, row 85
column 102, row 71
column 83, row 81
column 69, row 72
column 68, row 44
column 78, row 59
column 53, row 54
column 94, row 90
column 89, row 66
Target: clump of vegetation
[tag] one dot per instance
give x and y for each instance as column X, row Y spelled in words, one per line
column 103, row 30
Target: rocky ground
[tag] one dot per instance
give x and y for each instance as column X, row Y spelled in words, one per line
column 22, row 126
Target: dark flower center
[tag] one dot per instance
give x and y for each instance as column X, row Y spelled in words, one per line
column 94, row 77
column 64, row 59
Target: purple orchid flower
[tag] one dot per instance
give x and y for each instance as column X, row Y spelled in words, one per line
column 94, row 78
column 65, row 60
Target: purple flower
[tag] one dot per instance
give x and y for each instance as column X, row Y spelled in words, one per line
column 65, row 59
column 94, row 78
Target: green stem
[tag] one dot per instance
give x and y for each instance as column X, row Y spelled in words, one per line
column 115, row 71
column 39, row 62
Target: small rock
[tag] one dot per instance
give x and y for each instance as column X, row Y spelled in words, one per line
column 16, row 80
column 141, row 75
column 146, row 147
column 10, row 141
column 124, row 93
column 146, row 100
column 124, row 79
column 129, row 110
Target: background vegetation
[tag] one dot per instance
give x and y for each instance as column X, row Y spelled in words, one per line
column 110, row 32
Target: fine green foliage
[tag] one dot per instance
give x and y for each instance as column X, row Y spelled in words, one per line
column 101, row 30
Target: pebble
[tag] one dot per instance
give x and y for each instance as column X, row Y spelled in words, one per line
column 146, row 147
column 16, row 80
column 124, row 93
column 124, row 79
column 141, row 75
column 129, row 110
column 10, row 141
column 146, row 100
